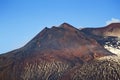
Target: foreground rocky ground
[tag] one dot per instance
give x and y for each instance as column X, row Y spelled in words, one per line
column 105, row 68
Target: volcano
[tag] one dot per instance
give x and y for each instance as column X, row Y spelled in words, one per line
column 55, row 53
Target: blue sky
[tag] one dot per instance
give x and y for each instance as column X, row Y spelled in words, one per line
column 21, row 20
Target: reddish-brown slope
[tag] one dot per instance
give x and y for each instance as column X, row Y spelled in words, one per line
column 50, row 54
column 112, row 29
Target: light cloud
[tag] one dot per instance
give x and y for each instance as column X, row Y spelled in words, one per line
column 113, row 20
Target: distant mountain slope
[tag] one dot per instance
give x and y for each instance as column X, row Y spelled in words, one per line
column 109, row 30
